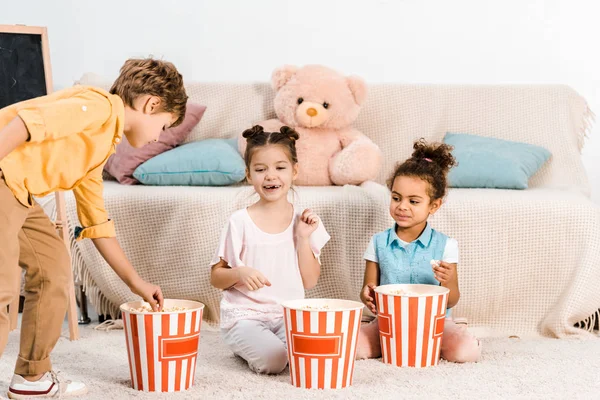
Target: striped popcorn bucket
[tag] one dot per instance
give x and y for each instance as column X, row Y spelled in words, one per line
column 322, row 336
column 162, row 346
column 411, row 323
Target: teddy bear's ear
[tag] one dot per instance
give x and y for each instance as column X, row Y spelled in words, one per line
column 358, row 87
column 282, row 75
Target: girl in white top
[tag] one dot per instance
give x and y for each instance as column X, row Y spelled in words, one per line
column 268, row 253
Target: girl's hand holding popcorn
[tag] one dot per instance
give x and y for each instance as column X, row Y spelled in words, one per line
column 444, row 272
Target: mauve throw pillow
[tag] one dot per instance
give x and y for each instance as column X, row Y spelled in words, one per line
column 127, row 158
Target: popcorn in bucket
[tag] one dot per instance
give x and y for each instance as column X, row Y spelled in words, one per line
column 411, row 323
column 322, row 336
column 162, row 346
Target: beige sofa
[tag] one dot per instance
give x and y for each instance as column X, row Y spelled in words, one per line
column 529, row 259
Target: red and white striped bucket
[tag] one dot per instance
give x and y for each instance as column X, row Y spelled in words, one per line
column 322, row 336
column 162, row 346
column 411, row 325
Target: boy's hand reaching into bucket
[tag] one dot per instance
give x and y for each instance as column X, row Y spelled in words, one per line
column 367, row 296
column 252, row 278
column 150, row 293
column 112, row 252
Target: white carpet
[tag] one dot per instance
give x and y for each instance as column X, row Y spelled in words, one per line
column 533, row 368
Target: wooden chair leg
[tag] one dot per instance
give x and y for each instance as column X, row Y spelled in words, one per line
column 61, row 226
column 72, row 311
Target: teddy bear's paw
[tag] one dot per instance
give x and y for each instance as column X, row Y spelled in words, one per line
column 360, row 161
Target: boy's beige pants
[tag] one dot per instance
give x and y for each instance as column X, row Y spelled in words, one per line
column 29, row 240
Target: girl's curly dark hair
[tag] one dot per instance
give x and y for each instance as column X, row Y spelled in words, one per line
column 430, row 162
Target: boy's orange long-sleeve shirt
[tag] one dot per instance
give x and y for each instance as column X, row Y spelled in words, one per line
column 72, row 134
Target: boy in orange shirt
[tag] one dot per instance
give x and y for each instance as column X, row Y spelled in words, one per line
column 61, row 142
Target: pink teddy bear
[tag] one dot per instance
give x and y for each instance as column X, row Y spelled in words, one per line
column 321, row 105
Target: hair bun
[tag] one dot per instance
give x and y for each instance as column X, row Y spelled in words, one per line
column 439, row 154
column 290, row 133
column 255, row 130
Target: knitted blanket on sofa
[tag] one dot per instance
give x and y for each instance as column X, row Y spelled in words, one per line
column 529, row 259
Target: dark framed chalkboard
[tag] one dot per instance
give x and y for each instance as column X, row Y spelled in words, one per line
column 25, row 70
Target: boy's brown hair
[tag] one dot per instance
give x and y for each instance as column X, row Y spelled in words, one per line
column 154, row 77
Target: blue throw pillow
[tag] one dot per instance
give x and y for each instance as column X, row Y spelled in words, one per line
column 485, row 162
column 210, row 162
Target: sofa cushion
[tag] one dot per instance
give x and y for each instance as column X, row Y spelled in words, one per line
column 485, row 162
column 210, row 162
column 126, row 159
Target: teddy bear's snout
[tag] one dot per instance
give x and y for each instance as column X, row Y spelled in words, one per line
column 311, row 114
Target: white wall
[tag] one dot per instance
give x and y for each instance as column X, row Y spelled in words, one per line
column 420, row 41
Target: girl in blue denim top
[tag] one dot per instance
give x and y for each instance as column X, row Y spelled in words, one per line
column 413, row 252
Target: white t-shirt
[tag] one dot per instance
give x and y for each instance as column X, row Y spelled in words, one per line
column 243, row 243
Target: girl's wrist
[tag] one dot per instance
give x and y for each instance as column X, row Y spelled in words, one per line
column 451, row 284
